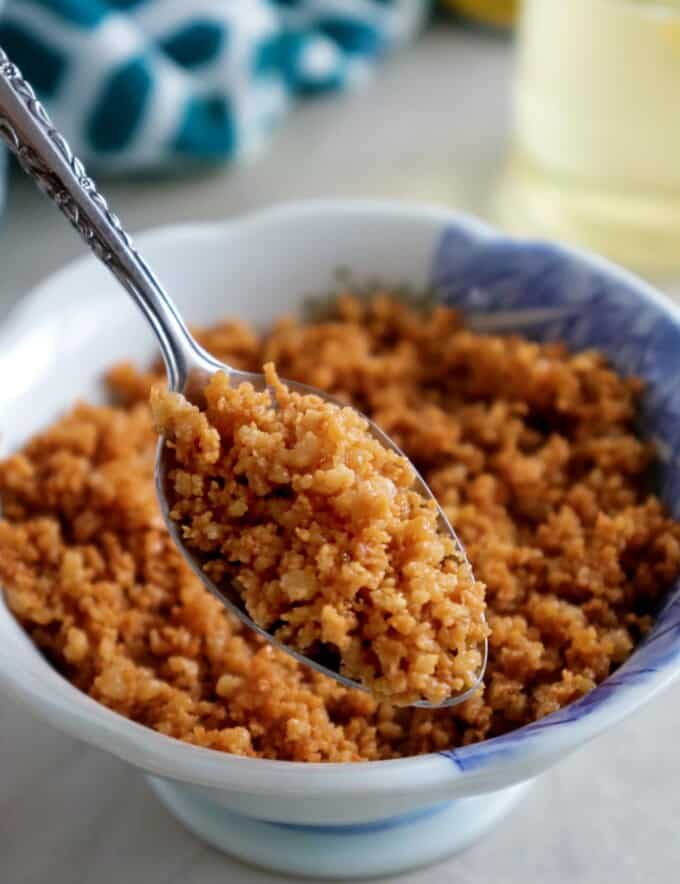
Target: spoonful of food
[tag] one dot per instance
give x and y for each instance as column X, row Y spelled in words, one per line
column 296, row 511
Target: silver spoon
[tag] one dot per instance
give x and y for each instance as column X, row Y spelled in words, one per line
column 45, row 156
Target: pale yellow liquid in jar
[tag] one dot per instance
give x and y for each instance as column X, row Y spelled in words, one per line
column 595, row 158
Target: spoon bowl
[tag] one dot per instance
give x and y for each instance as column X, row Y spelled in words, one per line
column 200, row 366
column 45, row 156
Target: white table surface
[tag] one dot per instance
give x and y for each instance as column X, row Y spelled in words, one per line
column 432, row 125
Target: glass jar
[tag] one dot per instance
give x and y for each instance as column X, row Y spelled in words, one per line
column 595, row 156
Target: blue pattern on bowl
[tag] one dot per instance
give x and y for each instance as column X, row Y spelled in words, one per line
column 547, row 293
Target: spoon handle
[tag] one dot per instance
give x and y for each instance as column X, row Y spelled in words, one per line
column 43, row 153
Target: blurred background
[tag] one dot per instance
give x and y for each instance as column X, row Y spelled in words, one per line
column 548, row 118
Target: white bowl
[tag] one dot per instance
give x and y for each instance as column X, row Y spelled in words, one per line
column 337, row 819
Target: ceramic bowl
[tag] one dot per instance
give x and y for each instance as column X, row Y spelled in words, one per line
column 336, row 819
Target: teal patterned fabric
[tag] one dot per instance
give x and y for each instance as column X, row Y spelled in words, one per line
column 153, row 84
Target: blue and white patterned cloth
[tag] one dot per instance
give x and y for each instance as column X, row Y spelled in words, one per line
column 154, row 84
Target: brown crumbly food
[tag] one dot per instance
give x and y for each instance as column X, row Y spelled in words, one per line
column 529, row 448
column 332, row 547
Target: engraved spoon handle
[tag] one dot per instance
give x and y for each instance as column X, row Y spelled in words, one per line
column 43, row 153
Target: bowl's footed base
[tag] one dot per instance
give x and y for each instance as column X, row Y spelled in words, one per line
column 383, row 847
